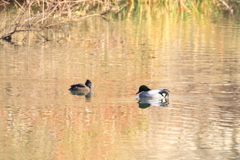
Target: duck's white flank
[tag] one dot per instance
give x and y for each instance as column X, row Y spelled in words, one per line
column 153, row 93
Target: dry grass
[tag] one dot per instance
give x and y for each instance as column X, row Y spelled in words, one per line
column 36, row 15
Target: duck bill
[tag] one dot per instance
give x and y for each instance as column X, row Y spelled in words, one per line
column 137, row 92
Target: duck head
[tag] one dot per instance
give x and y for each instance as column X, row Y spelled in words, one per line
column 143, row 88
column 89, row 83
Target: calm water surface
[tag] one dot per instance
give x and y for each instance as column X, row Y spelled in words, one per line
column 198, row 60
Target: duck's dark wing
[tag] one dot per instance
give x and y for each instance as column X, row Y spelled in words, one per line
column 77, row 86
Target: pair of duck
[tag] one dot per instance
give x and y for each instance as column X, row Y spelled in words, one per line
column 144, row 91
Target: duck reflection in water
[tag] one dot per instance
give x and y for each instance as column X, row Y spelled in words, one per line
column 82, row 89
column 145, row 103
column 88, row 95
column 153, row 97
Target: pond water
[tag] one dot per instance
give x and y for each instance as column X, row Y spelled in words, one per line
column 197, row 59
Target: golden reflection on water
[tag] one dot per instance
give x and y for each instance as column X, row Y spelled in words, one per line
column 196, row 60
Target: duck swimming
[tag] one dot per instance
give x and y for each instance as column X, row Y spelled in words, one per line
column 146, row 92
column 87, row 87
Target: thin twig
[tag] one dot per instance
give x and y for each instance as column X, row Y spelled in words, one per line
column 122, row 7
column 226, row 6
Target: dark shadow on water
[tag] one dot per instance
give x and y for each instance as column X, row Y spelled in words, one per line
column 145, row 103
